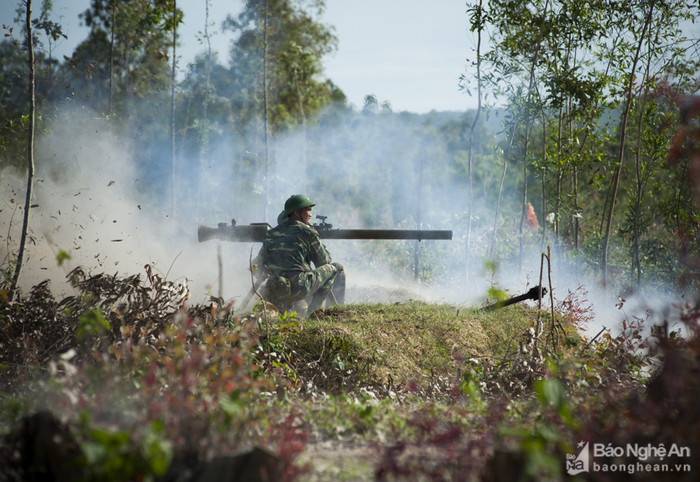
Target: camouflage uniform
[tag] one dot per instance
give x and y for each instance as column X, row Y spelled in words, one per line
column 286, row 255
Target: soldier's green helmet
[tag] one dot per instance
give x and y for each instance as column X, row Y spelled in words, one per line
column 295, row 202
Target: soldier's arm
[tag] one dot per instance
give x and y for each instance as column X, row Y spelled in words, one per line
column 319, row 253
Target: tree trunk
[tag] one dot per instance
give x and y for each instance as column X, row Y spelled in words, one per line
column 172, row 115
column 500, row 193
column 111, row 57
column 30, row 151
column 640, row 182
column 419, row 204
column 266, row 129
column 204, row 126
column 523, row 209
column 543, row 179
column 621, row 148
column 639, row 193
column 470, row 194
column 577, row 223
column 558, row 189
column 304, row 127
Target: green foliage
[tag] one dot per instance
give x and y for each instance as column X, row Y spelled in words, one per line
column 288, row 43
column 496, row 294
column 115, row 455
column 563, row 136
column 567, row 101
column 62, row 257
column 132, row 38
column 551, row 393
column 91, row 323
column 195, row 397
column 470, row 385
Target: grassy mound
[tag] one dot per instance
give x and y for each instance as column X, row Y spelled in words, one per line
column 389, row 347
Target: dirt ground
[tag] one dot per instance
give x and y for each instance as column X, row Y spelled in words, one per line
column 340, row 461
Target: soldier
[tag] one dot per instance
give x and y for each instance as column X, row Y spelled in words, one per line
column 286, row 256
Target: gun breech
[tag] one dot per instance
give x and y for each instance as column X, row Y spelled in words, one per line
column 252, row 233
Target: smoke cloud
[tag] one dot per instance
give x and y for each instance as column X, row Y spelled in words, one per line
column 90, row 203
column 93, row 202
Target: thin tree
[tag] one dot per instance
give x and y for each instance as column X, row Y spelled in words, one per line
column 419, row 204
column 276, row 69
column 622, row 139
column 640, row 179
column 543, row 178
column 266, row 128
column 297, row 58
column 204, row 124
column 522, row 111
column 30, row 150
column 477, row 21
column 172, row 109
column 204, row 128
column 532, row 96
column 524, row 207
column 533, row 58
column 111, row 55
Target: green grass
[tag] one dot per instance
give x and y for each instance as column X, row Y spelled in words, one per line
column 396, row 345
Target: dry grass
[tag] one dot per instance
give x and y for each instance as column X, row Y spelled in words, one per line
column 396, row 345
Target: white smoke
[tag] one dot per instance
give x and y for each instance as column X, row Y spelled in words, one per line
column 90, row 202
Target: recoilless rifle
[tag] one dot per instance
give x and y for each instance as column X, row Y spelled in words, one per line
column 255, row 232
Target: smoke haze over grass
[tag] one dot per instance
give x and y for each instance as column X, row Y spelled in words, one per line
column 93, row 201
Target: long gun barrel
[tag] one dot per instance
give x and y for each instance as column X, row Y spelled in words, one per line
column 418, row 234
column 256, row 233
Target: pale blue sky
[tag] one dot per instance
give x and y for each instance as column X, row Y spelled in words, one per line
column 409, row 53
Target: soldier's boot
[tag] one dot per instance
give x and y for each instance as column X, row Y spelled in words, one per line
column 338, row 289
column 327, row 276
column 317, row 301
column 299, row 306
